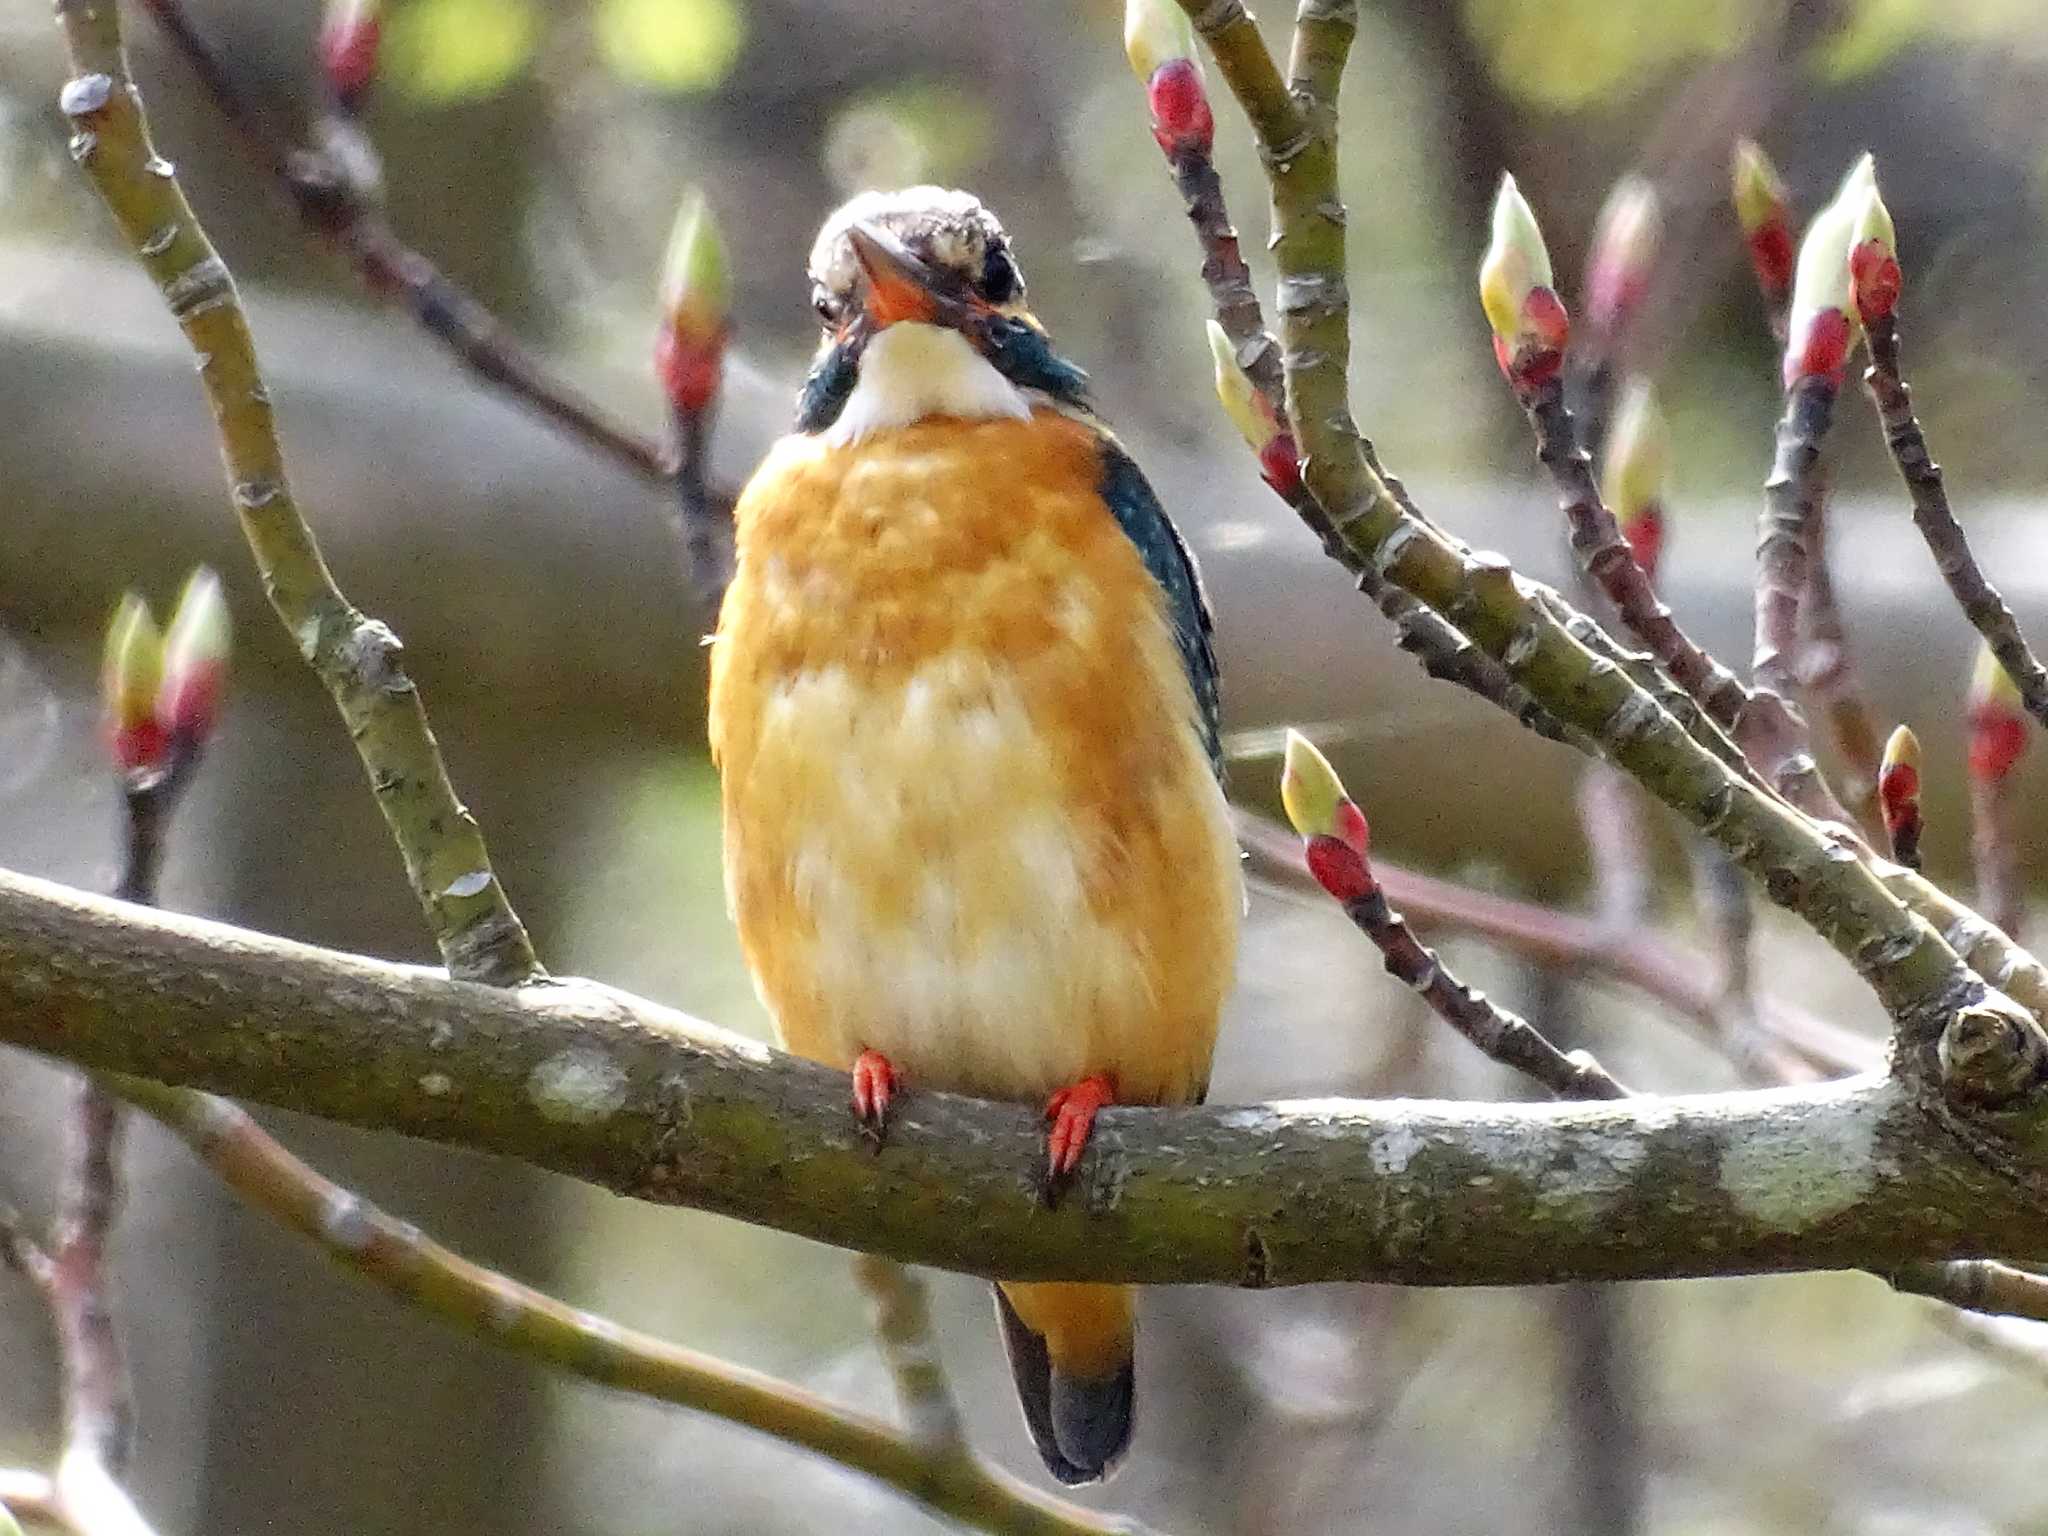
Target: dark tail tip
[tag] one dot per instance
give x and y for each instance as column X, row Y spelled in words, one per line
column 1080, row 1425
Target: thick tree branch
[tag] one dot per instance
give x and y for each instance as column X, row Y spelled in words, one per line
column 356, row 657
column 593, row 1083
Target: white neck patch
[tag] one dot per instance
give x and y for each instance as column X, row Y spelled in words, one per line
column 911, row 371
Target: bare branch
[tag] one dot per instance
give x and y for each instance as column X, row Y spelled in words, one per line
column 1501, row 1033
column 903, row 1324
column 1932, row 515
column 605, row 1087
column 392, row 1254
column 98, row 1407
column 1827, row 673
column 1530, row 629
column 357, row 658
column 326, row 187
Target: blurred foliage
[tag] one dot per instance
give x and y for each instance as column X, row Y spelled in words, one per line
column 1568, row 54
column 900, row 134
column 444, row 52
column 1874, row 32
column 671, row 45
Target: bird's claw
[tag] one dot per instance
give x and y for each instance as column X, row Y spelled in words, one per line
column 1071, row 1112
column 875, row 1083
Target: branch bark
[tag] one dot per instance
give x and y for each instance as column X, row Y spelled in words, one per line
column 1816, row 872
column 591, row 1082
column 355, row 656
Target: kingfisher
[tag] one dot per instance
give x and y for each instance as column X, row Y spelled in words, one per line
column 964, row 710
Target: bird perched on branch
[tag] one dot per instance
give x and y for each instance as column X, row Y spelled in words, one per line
column 963, row 704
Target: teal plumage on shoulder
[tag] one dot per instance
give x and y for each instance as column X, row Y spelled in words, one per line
column 1171, row 563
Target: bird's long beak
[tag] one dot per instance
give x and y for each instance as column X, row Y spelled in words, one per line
column 902, row 286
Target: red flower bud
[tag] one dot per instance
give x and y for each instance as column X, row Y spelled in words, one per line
column 1181, row 118
column 1996, row 743
column 1875, row 279
column 1645, row 535
column 349, row 40
column 689, row 368
column 1339, row 868
column 1822, row 351
column 1771, row 253
column 1280, row 464
column 1998, row 721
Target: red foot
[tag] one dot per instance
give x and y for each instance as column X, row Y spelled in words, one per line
column 1072, row 1113
column 874, row 1084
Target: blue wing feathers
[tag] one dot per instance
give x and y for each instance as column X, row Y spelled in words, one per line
column 1172, row 565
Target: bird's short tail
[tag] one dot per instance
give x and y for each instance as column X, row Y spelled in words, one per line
column 1070, row 1352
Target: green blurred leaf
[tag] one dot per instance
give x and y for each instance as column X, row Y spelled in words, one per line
column 671, row 45
column 1568, row 54
column 440, row 52
column 920, row 130
column 1875, row 30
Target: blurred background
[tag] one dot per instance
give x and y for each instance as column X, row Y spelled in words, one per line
column 537, row 152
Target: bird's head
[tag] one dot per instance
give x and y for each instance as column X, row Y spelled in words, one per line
column 923, row 309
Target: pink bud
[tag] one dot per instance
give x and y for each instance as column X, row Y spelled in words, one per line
column 1339, row 868
column 1539, row 342
column 1822, row 350
column 1875, row 279
column 1181, row 119
column 195, row 662
column 1772, row 253
column 1645, row 535
column 138, row 747
column 1280, row 464
column 349, row 40
column 689, row 367
column 1625, row 241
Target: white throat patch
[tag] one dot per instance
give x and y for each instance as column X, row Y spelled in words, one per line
column 911, row 371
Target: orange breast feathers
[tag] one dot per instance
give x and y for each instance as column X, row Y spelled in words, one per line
column 968, row 820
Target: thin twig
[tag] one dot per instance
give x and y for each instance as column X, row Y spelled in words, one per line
column 1994, row 852
column 397, row 1257
column 328, row 186
column 703, row 517
column 1444, row 653
column 84, row 1495
column 1932, row 515
column 479, row 935
column 1605, row 558
column 1827, row 674
column 1617, row 837
column 903, row 1325
column 1792, row 496
column 99, row 1416
column 1503, row 1035
column 1978, row 1285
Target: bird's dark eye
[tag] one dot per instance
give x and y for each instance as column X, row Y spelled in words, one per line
column 829, row 309
column 998, row 276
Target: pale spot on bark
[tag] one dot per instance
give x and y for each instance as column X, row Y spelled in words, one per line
column 1393, row 1148
column 1789, row 1184
column 577, row 1086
